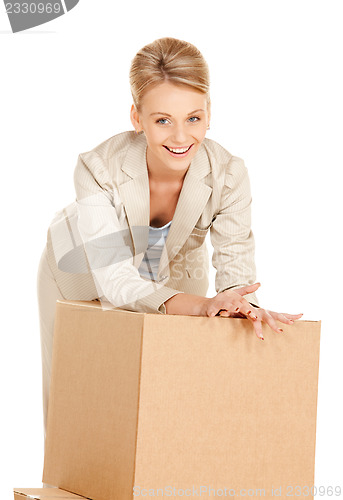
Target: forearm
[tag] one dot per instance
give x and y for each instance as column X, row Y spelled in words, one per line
column 186, row 304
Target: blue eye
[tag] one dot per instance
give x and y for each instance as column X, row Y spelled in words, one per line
column 194, row 119
column 164, row 120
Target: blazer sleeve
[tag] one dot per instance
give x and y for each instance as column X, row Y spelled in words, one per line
column 103, row 234
column 231, row 234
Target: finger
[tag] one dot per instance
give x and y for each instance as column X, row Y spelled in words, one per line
column 238, row 315
column 243, row 306
column 249, row 310
column 232, row 314
column 293, row 316
column 268, row 318
column 285, row 317
column 234, row 304
column 228, row 314
column 257, row 324
column 247, row 289
column 216, row 310
column 286, row 314
column 224, row 314
column 251, row 315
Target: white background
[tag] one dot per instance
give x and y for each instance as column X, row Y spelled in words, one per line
column 276, row 102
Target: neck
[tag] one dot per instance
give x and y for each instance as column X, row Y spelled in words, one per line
column 159, row 173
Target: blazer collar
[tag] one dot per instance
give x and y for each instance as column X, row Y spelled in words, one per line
column 134, row 163
column 135, row 196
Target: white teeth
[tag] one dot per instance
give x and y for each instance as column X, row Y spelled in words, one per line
column 178, row 150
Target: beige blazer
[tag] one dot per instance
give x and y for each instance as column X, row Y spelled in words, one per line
column 96, row 244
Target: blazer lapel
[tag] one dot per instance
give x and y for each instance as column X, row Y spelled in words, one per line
column 135, row 194
column 191, row 203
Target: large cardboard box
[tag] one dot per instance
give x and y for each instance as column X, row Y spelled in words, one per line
column 44, row 494
column 169, row 405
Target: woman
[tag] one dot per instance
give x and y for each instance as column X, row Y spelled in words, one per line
column 135, row 237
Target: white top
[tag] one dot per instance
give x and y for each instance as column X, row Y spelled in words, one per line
column 151, row 260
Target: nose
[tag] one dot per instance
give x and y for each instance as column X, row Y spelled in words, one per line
column 179, row 136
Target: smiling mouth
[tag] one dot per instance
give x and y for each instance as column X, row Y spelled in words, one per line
column 178, row 151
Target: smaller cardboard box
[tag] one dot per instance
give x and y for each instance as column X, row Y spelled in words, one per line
column 44, row 493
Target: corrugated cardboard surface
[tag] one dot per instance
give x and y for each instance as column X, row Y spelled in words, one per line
column 93, row 407
column 180, row 403
column 43, row 493
column 230, row 411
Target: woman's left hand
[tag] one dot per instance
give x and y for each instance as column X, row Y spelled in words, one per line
column 269, row 317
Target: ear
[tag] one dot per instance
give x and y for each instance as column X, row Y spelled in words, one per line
column 208, row 113
column 134, row 115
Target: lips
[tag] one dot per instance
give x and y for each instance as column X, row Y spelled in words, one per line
column 178, row 151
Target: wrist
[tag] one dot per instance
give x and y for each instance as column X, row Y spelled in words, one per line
column 186, row 304
column 198, row 307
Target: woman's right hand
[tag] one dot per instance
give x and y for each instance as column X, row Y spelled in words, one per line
column 231, row 302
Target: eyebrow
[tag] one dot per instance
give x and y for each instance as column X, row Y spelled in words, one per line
column 166, row 114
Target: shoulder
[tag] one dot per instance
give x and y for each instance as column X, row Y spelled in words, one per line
column 225, row 165
column 99, row 163
column 216, row 152
column 117, row 144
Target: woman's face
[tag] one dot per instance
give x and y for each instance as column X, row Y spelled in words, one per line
column 174, row 120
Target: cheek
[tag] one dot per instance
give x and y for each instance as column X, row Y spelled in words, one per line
column 201, row 131
column 200, row 135
column 157, row 137
column 153, row 139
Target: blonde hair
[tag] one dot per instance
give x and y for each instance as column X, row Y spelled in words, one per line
column 177, row 61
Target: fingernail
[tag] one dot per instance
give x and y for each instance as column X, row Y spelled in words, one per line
column 261, row 338
column 280, row 329
column 237, row 309
column 252, row 315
